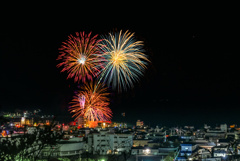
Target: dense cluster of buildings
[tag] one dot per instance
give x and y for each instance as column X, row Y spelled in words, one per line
column 107, row 139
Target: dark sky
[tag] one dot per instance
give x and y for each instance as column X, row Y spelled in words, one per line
column 193, row 78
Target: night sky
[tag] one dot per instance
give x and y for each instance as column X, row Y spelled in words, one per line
column 193, row 77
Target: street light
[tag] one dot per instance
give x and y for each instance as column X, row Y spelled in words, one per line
column 147, row 151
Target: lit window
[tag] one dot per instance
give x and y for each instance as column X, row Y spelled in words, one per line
column 146, row 151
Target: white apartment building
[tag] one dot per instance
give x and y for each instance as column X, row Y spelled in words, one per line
column 105, row 142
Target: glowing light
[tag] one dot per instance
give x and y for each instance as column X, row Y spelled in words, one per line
column 122, row 59
column 23, row 120
column 146, row 151
column 78, row 56
column 92, row 103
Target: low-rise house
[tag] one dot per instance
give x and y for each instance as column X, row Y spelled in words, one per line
column 224, row 142
column 141, row 135
column 187, row 138
column 220, row 151
column 188, row 149
column 155, row 136
column 141, row 142
column 203, row 154
column 144, row 151
column 214, row 135
column 153, row 143
column 202, row 143
column 153, row 151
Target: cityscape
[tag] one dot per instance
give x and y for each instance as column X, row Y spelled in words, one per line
column 135, row 84
column 107, row 140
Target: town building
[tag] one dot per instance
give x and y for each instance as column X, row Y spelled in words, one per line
column 188, row 149
column 220, row 151
column 71, row 147
column 139, row 123
column 223, row 127
column 141, row 142
column 106, row 142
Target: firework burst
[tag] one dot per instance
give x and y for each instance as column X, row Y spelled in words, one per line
column 123, row 60
column 78, row 56
column 92, row 103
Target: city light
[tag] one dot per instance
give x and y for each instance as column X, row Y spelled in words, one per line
column 146, row 151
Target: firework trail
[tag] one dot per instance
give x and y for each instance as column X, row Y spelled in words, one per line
column 122, row 59
column 78, row 56
column 92, row 103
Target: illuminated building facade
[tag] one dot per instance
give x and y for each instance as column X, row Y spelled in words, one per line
column 139, row 123
column 81, row 122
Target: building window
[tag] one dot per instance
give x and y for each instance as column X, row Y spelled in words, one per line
column 65, row 152
column 72, row 152
column 109, row 152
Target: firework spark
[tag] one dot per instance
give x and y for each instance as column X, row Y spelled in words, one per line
column 92, row 103
column 123, row 60
column 78, row 55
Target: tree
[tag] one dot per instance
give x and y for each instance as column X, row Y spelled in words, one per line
column 170, row 157
column 166, row 144
column 28, row 146
column 176, row 143
column 3, row 120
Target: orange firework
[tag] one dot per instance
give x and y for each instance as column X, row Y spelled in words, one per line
column 78, row 55
column 92, row 103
